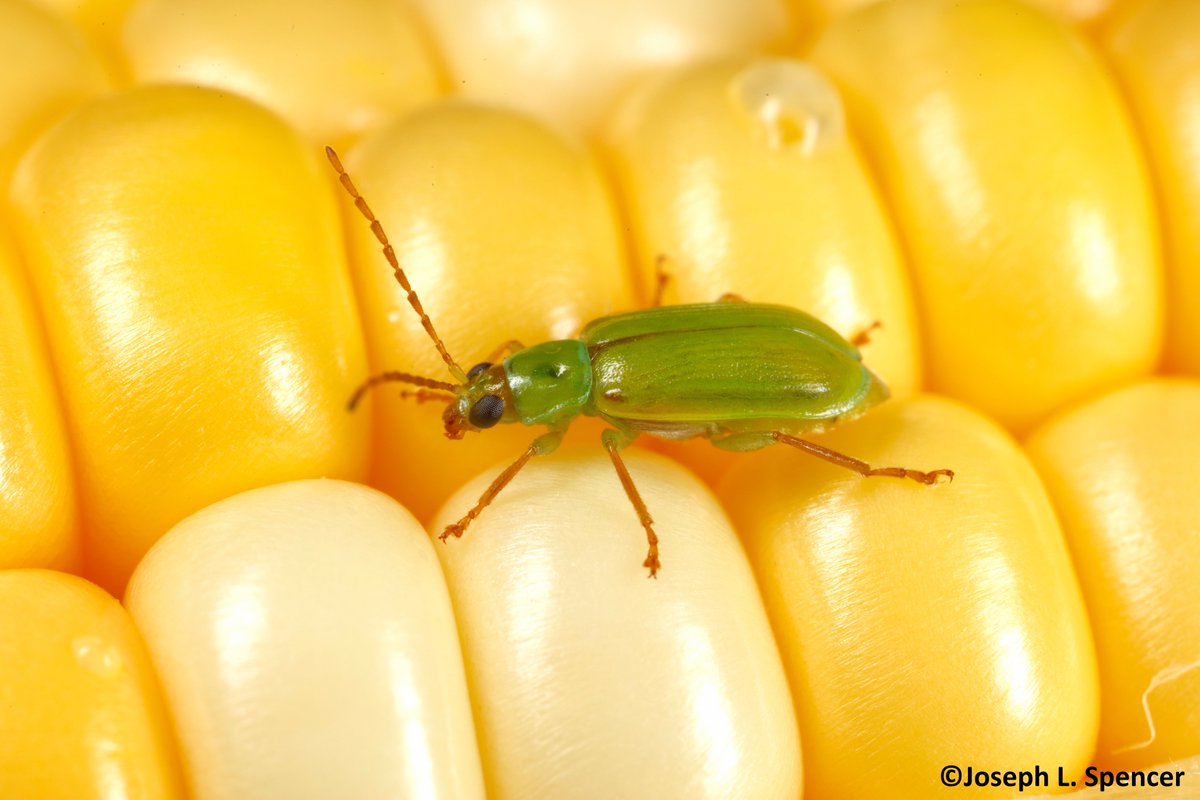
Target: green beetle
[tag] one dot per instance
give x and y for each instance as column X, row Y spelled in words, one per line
column 743, row 375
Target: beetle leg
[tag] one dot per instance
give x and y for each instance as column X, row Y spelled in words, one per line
column 862, row 467
column 661, row 279
column 613, row 442
column 730, row 297
column 508, row 348
column 546, row 443
column 864, row 336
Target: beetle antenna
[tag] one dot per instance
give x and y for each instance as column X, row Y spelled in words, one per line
column 398, row 377
column 426, row 396
column 390, row 255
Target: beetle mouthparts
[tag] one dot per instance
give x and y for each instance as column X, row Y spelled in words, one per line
column 455, row 427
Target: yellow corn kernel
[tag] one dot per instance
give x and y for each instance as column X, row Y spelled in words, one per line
column 80, row 713
column 589, row 679
column 742, row 176
column 48, row 70
column 1013, row 172
column 569, row 62
column 1153, row 47
column 38, row 523
column 813, row 15
column 506, row 231
column 1080, row 11
column 185, row 253
column 334, row 70
column 1122, row 472
column 581, row 73
column 920, row 626
column 100, row 23
column 307, row 648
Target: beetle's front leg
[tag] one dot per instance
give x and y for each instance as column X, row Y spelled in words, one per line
column 543, row 445
column 614, row 441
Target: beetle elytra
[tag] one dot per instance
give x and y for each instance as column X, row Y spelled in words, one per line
column 743, row 375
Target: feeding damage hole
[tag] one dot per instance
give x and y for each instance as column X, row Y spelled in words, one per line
column 791, row 105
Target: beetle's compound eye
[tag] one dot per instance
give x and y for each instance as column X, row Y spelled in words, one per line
column 487, row 411
column 478, row 368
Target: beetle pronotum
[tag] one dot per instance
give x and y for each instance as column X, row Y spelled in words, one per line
column 742, row 375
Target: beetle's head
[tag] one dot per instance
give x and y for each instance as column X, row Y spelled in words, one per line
column 481, row 403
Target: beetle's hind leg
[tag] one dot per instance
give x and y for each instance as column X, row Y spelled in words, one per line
column 861, row 467
column 613, row 442
column 863, row 337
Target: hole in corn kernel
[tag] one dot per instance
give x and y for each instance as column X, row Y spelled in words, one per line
column 97, row 656
column 790, row 104
column 1160, row 678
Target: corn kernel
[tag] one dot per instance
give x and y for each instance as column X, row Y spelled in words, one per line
column 80, row 711
column 307, row 649
column 814, row 15
column 742, row 175
column 1122, row 472
column 56, row 72
column 569, row 62
column 1153, row 47
column 185, row 254
column 335, row 70
column 100, row 23
column 38, row 518
column 591, row 680
column 919, row 626
column 1013, row 171
column 506, row 231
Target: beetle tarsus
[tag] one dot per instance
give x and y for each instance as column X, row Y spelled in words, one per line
column 864, row 336
column 930, row 478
